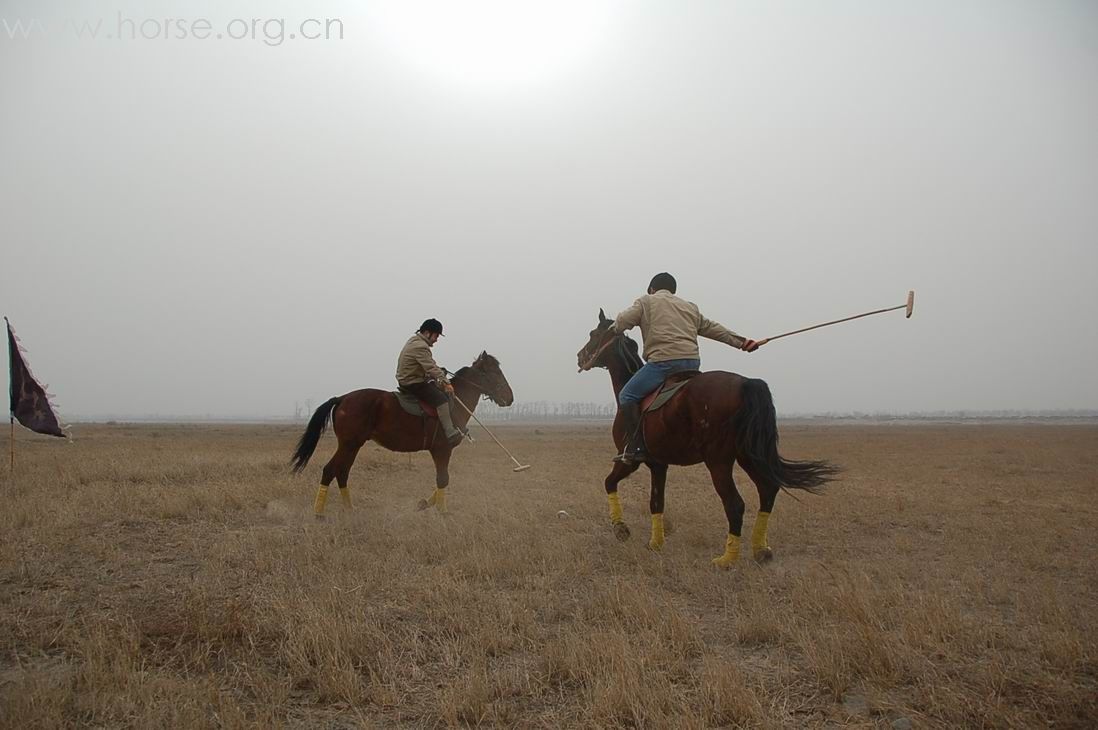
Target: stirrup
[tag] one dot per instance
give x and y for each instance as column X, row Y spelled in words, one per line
column 629, row 458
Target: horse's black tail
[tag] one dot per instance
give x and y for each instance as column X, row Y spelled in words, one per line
column 756, row 426
column 307, row 445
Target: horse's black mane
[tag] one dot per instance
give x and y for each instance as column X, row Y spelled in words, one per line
column 629, row 354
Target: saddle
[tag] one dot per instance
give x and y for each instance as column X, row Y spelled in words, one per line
column 675, row 382
column 414, row 405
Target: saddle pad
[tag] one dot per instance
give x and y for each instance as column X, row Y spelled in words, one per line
column 659, row 398
column 414, row 405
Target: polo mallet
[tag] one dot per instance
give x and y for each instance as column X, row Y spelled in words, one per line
column 909, row 306
column 518, row 466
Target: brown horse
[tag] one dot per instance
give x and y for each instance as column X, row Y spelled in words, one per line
column 376, row 415
column 718, row 419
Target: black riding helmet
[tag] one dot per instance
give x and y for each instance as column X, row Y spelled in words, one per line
column 431, row 325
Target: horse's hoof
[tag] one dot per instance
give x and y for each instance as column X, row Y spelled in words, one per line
column 655, row 546
column 320, row 518
column 763, row 555
column 724, row 562
column 422, row 505
column 621, row 531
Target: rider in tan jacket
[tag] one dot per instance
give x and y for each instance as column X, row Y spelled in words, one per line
column 670, row 327
column 418, row 374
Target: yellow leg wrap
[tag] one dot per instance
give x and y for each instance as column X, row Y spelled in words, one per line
column 758, row 535
column 615, row 508
column 438, row 499
column 731, row 553
column 345, row 497
column 321, row 500
column 656, row 542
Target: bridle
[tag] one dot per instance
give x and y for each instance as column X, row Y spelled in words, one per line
column 486, row 392
column 590, row 362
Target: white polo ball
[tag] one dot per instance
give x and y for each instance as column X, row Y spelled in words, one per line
column 562, row 515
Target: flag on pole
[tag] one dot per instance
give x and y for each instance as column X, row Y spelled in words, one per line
column 30, row 403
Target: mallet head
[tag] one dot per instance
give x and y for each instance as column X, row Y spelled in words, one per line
column 521, row 467
column 910, row 303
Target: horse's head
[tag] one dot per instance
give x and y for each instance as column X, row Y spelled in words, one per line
column 486, row 375
column 593, row 353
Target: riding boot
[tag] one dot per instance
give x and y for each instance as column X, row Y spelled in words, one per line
column 453, row 435
column 635, row 451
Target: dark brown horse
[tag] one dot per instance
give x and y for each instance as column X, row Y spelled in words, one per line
column 718, row 419
column 376, row 415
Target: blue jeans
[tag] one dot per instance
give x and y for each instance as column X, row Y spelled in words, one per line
column 651, row 376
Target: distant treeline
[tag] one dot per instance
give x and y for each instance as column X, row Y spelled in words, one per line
column 1007, row 414
column 545, row 411
column 555, row 411
column 572, row 411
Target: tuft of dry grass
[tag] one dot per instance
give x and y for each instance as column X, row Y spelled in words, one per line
column 173, row 575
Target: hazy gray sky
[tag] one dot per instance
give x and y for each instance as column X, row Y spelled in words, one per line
column 226, row 226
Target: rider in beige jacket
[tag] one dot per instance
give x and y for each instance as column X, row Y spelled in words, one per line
column 670, row 327
column 418, row 374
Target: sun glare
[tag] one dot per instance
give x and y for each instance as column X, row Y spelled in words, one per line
column 494, row 43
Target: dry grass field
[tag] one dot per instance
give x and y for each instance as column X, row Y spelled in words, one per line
column 173, row 576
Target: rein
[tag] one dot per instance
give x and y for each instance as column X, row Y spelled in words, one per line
column 480, row 388
column 590, row 362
